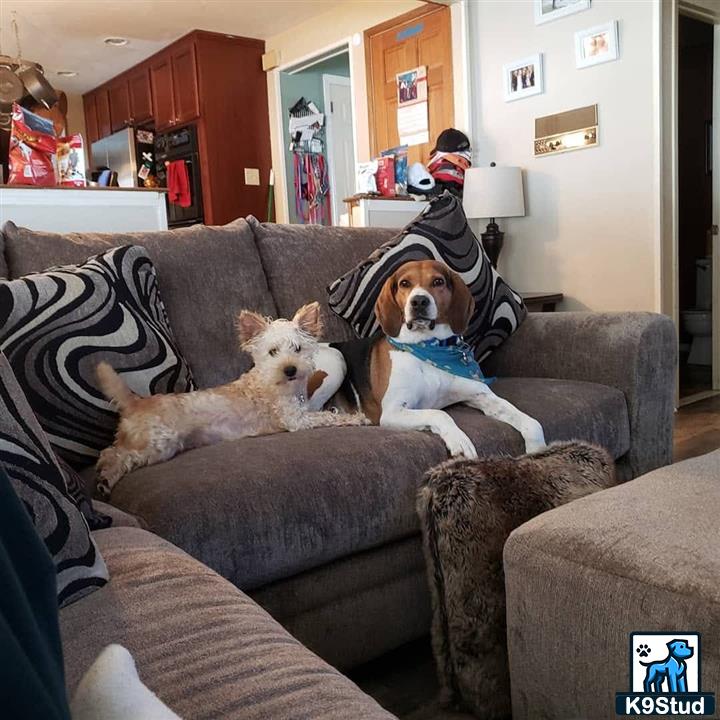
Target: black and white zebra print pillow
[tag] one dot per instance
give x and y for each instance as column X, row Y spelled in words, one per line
column 30, row 463
column 440, row 232
column 56, row 326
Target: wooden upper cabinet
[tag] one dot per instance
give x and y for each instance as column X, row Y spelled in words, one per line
column 119, row 104
column 102, row 103
column 91, row 119
column 185, row 83
column 161, row 82
column 141, row 107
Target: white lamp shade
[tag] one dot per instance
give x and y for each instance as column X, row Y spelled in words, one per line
column 493, row 192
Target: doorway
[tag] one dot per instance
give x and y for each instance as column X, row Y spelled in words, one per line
column 319, row 149
column 697, row 208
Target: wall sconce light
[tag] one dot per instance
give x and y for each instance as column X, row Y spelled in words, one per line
column 565, row 131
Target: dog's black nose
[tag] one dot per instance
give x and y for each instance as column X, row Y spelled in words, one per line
column 420, row 302
column 290, row 371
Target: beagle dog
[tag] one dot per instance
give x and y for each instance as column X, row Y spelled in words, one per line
column 423, row 309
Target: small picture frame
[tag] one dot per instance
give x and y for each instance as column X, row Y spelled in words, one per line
column 597, row 45
column 523, row 78
column 547, row 10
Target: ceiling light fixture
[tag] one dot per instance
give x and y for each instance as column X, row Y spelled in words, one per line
column 66, row 73
column 115, row 41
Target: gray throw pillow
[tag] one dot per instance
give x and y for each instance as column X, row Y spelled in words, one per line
column 56, row 326
column 441, row 232
column 26, row 456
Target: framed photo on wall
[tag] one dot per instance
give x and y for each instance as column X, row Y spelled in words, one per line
column 523, row 78
column 547, row 10
column 596, row 45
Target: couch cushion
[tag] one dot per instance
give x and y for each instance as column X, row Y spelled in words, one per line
column 642, row 556
column 260, row 509
column 207, row 275
column 301, row 260
column 4, row 272
column 58, row 325
column 440, row 232
column 36, row 478
column 203, row 647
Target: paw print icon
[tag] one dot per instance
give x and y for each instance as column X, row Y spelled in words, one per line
column 643, row 650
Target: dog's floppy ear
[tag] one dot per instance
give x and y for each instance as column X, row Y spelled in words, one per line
column 462, row 303
column 249, row 325
column 307, row 318
column 389, row 315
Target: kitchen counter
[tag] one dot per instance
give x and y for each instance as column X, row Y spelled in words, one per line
column 92, row 209
column 94, row 188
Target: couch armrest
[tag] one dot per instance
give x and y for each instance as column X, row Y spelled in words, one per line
column 635, row 352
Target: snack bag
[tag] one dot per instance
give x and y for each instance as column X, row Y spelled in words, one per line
column 71, row 161
column 385, row 176
column 32, row 149
column 400, row 154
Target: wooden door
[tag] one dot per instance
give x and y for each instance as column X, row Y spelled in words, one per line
column 91, row 119
column 102, row 103
column 185, row 83
column 161, row 82
column 141, row 108
column 119, row 104
column 421, row 37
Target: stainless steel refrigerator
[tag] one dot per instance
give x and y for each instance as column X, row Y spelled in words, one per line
column 130, row 153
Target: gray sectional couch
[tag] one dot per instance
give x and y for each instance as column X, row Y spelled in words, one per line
column 317, row 527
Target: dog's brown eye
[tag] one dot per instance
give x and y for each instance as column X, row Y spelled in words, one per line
column 297, row 348
column 404, row 283
column 273, row 352
column 438, row 282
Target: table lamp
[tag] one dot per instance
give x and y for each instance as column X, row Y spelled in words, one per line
column 493, row 192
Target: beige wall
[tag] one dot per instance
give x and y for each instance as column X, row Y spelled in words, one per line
column 592, row 225
column 318, row 33
column 76, row 115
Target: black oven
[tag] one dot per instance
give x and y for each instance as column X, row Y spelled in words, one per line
column 181, row 145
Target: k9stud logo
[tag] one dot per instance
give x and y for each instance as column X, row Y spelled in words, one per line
column 665, row 676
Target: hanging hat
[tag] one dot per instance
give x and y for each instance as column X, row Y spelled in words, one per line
column 419, row 179
column 451, row 140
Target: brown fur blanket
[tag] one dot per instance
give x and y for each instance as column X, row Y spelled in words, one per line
column 467, row 510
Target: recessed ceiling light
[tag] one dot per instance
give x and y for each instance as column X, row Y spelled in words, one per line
column 66, row 73
column 116, row 41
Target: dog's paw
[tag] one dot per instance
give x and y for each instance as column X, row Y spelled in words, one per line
column 102, row 489
column 460, row 445
column 643, row 650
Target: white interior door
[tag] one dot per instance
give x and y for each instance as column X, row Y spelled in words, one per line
column 339, row 137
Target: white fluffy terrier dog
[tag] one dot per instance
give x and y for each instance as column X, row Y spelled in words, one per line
column 271, row 397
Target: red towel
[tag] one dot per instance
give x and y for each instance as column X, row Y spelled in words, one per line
column 178, row 183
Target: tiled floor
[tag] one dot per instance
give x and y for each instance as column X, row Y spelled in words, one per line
column 404, row 681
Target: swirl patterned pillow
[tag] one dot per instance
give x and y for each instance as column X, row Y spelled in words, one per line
column 56, row 326
column 441, row 233
column 26, row 456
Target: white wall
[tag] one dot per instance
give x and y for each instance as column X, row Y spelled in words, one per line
column 592, row 227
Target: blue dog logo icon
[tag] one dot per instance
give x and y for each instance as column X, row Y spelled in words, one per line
column 664, row 676
column 672, row 670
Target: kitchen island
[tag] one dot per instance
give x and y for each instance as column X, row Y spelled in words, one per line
column 92, row 209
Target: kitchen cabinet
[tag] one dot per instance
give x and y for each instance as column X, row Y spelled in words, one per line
column 91, row 122
column 162, row 91
column 102, row 104
column 141, row 105
column 119, row 97
column 216, row 82
column 185, row 84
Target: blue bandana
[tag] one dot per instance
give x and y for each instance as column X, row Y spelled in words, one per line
column 452, row 355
